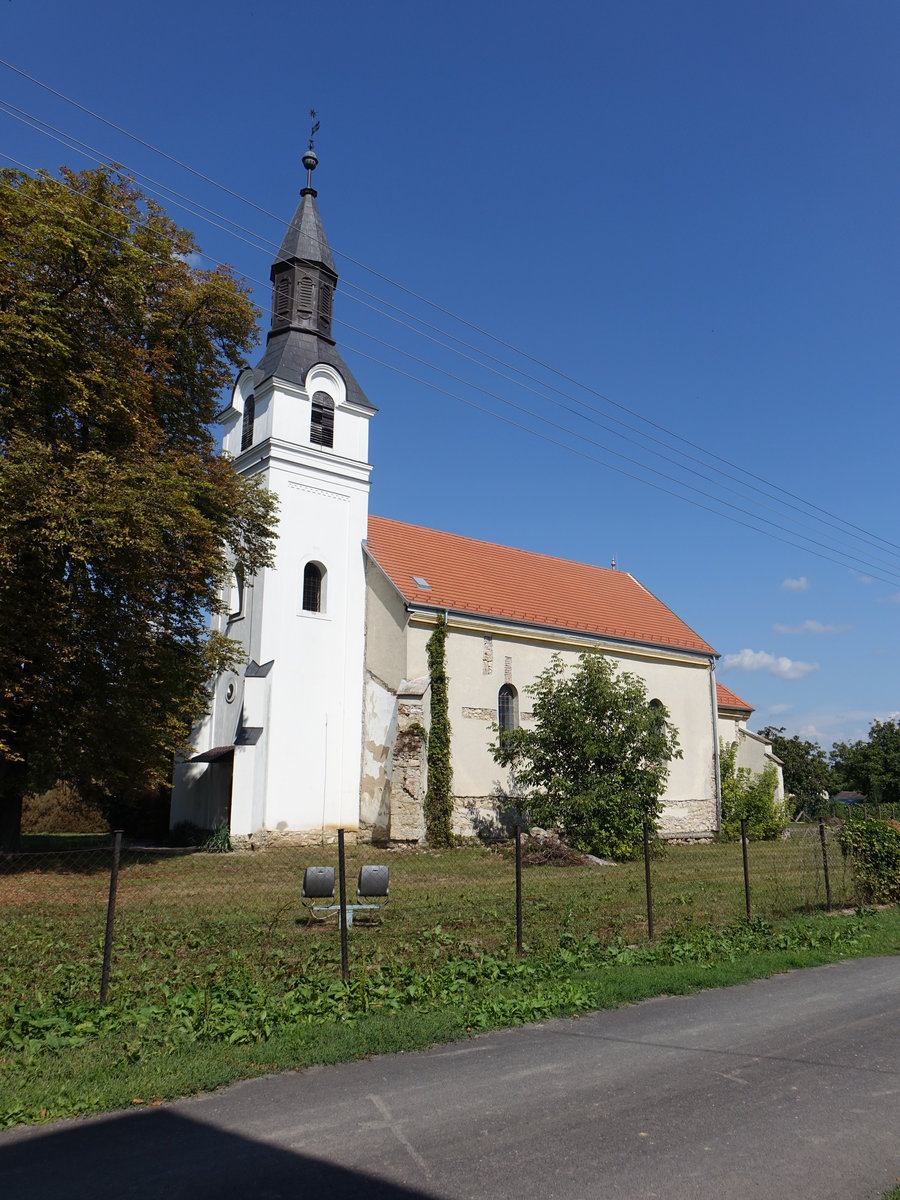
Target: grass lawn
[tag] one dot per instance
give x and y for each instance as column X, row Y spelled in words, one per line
column 217, row 974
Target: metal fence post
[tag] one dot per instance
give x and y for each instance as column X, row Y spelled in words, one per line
column 647, row 881
column 825, row 865
column 746, row 867
column 342, row 877
column 518, row 888
column 110, row 914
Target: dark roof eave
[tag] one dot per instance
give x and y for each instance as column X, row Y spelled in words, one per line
column 586, row 634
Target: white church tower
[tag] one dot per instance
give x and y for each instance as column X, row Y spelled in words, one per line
column 280, row 749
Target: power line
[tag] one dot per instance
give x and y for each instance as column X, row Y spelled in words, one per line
column 641, row 465
column 456, row 317
column 871, row 567
column 871, row 539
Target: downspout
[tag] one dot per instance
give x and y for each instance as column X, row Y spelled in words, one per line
column 715, row 726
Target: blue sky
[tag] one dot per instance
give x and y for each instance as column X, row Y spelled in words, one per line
column 684, row 213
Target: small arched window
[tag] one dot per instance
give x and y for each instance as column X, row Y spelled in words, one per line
column 305, row 295
column 236, row 592
column 507, row 710
column 658, row 715
column 313, row 575
column 321, row 429
column 247, row 423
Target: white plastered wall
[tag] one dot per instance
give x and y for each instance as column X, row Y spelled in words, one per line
column 302, row 776
column 478, row 669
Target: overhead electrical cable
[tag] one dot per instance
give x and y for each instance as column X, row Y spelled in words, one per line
column 446, row 311
column 866, row 535
column 572, row 433
column 871, row 567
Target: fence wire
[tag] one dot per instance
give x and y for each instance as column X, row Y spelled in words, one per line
column 184, row 918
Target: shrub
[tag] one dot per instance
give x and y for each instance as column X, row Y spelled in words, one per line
column 750, row 797
column 873, row 848
column 219, row 841
column 597, row 760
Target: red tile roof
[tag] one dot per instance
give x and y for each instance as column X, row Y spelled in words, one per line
column 483, row 579
column 725, row 698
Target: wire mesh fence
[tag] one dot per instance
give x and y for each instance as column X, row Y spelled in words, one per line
column 183, row 917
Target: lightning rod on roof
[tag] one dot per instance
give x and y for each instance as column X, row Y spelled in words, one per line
column 613, row 563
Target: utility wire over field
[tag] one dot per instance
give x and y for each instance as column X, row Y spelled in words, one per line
column 582, row 411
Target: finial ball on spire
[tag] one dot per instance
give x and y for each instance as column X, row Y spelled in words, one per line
column 310, row 160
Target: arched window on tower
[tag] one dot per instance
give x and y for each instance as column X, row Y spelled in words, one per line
column 247, row 423
column 321, row 429
column 235, row 597
column 507, row 710
column 313, row 589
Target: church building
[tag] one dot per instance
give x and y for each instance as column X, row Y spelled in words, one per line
column 325, row 725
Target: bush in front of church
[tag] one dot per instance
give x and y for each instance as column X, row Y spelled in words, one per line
column 596, row 762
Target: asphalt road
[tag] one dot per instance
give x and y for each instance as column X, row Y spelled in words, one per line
column 785, row 1088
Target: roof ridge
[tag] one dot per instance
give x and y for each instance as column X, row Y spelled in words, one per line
column 573, row 562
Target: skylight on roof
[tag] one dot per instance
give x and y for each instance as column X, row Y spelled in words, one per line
column 421, row 583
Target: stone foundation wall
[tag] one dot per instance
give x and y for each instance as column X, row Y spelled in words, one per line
column 688, row 820
column 274, row 839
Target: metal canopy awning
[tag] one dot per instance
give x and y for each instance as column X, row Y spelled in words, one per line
column 213, row 755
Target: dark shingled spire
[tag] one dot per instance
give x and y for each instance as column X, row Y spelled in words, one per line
column 305, row 239
column 304, row 279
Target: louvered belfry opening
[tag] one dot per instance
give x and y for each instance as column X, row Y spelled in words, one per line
column 321, row 430
column 305, row 296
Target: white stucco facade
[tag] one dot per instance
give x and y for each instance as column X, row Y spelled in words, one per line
column 325, row 723
column 298, row 769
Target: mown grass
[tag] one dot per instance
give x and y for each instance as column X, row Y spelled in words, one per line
column 217, row 973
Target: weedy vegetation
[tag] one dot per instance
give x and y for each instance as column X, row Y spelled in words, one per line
column 218, row 973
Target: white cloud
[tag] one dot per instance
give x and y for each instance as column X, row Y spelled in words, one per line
column 894, row 598
column 795, row 585
column 194, row 260
column 777, row 709
column 778, row 665
column 811, row 627
column 866, row 579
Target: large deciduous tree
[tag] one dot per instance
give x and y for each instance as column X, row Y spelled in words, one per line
column 871, row 767
column 118, row 518
column 597, row 760
column 807, row 776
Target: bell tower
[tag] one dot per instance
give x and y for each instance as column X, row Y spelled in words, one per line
column 289, row 722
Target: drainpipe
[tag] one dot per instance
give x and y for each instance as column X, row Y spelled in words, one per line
column 715, row 725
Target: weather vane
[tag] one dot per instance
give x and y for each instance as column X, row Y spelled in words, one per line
column 310, row 158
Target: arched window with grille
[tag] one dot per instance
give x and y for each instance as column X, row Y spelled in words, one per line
column 247, row 423
column 313, row 587
column 507, row 710
column 321, row 429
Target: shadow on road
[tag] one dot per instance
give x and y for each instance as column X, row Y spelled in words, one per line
column 161, row 1155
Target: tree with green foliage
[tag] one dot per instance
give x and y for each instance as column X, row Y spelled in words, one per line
column 749, row 796
column 597, row 760
column 118, row 518
column 439, row 796
column 807, row 776
column 872, row 766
